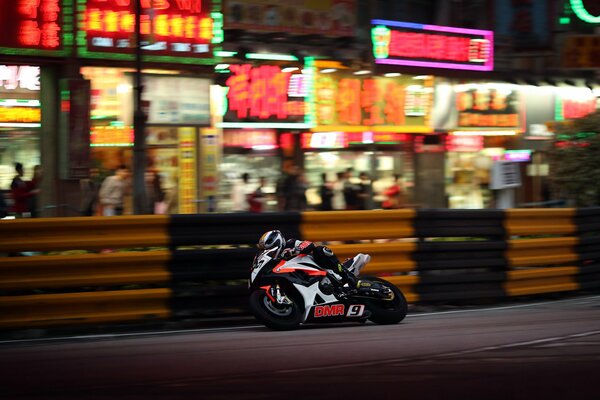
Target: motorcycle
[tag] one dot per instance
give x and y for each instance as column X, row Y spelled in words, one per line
column 287, row 293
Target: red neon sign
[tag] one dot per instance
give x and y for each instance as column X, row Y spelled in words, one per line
column 170, row 27
column 33, row 24
column 261, row 93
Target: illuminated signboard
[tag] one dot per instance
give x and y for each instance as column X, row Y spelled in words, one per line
column 262, row 94
column 111, row 136
column 172, row 30
column 464, row 143
column 333, row 140
column 487, row 106
column 348, row 102
column 19, row 96
column 418, row 45
column 250, row 138
column 573, row 103
column 517, row 155
column 35, row 27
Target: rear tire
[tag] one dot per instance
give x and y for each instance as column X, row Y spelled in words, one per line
column 276, row 316
column 386, row 312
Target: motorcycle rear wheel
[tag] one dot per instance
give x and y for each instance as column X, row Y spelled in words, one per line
column 276, row 316
column 387, row 312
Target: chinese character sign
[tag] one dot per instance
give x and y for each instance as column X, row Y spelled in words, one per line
column 32, row 24
column 264, row 94
column 350, row 100
column 168, row 27
column 432, row 46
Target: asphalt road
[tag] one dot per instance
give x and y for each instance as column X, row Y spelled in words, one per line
column 528, row 351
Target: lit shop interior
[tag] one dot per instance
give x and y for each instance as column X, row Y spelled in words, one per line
column 20, row 121
column 380, row 155
column 469, row 160
column 171, row 128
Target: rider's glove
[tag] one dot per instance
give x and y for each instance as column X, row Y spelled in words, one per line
column 287, row 254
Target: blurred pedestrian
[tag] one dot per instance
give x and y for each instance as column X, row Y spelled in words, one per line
column 338, row 201
column 21, row 192
column 258, row 198
column 394, row 194
column 112, row 192
column 294, row 188
column 350, row 191
column 326, row 193
column 89, row 188
column 34, row 189
column 365, row 192
column 3, row 206
column 239, row 193
column 155, row 195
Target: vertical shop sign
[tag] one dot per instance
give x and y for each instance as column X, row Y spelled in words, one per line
column 187, row 170
column 75, row 128
column 209, row 167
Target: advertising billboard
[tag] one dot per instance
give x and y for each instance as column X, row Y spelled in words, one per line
column 333, row 18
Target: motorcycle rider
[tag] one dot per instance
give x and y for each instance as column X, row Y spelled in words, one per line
column 323, row 255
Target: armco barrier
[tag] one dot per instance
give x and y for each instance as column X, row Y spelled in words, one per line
column 146, row 268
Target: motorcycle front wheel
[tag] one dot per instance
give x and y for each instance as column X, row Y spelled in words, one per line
column 280, row 317
column 391, row 311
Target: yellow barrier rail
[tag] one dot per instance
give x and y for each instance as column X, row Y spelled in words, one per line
column 52, row 234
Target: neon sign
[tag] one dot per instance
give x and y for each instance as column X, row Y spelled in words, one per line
column 433, row 46
column 264, row 93
column 582, row 13
column 172, row 30
column 34, row 27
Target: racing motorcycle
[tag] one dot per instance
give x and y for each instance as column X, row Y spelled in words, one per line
column 287, row 293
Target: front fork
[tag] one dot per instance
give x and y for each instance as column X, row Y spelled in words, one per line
column 276, row 295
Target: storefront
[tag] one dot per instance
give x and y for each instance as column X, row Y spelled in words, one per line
column 176, row 101
column 261, row 105
column 489, row 117
column 172, row 127
column 20, row 120
column 366, row 123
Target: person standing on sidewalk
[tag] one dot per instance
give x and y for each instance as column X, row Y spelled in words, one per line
column 112, row 192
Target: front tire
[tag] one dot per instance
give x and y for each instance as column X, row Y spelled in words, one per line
column 276, row 316
column 387, row 312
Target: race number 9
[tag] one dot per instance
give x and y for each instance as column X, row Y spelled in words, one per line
column 355, row 310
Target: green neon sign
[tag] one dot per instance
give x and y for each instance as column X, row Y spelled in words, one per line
column 582, row 13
